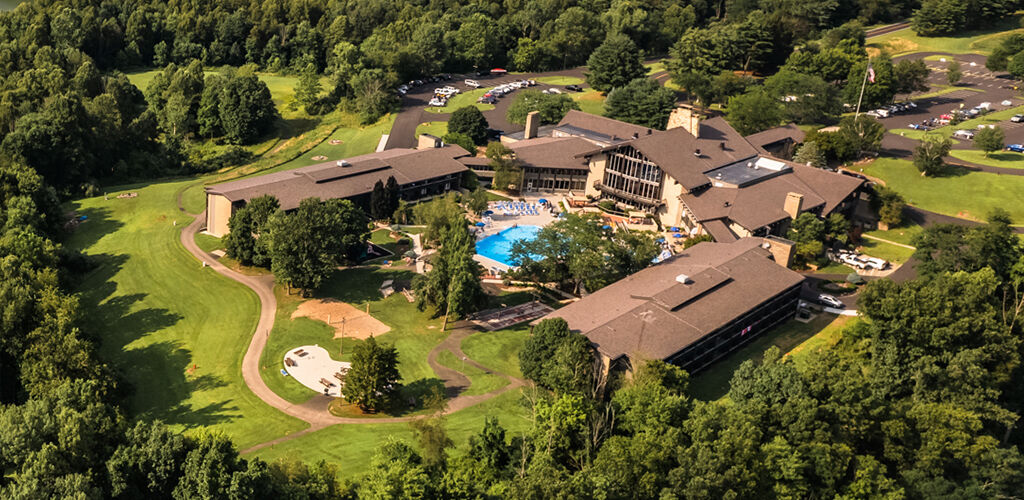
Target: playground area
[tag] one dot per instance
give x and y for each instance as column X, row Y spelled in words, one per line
column 313, row 367
column 347, row 320
column 496, row 319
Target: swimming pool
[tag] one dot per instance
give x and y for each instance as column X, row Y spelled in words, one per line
column 499, row 246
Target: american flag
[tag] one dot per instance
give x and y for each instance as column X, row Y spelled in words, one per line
column 871, row 73
column 746, row 330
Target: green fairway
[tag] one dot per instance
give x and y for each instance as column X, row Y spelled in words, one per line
column 175, row 330
column 969, row 42
column 498, row 350
column 436, row 129
column 480, row 382
column 467, row 98
column 1003, row 159
column 352, row 446
column 590, row 101
column 560, row 80
column 354, row 140
column 794, row 338
column 962, row 193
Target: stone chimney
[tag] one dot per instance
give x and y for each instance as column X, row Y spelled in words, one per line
column 532, row 124
column 427, row 141
column 794, row 202
column 686, row 117
column 780, row 248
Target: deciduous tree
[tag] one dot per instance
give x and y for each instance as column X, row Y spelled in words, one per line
column 373, row 376
column 642, row 101
column 614, row 63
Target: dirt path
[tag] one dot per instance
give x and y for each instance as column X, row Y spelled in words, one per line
column 314, row 412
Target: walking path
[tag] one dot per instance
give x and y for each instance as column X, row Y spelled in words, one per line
column 314, row 412
column 883, row 240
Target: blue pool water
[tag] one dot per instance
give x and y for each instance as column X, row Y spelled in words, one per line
column 499, row 246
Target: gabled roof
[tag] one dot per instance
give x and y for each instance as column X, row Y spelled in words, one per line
column 601, row 130
column 354, row 176
column 552, row 152
column 760, row 204
column 771, row 136
column 653, row 314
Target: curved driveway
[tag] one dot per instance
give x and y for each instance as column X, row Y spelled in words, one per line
column 314, row 412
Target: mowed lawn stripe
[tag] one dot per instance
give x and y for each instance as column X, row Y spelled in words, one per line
column 175, row 330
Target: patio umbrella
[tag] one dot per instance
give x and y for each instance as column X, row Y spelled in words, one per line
column 677, row 235
column 674, row 229
column 480, row 224
column 409, row 253
column 542, row 201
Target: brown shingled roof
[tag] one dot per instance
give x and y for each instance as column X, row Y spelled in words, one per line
column 761, row 203
column 552, row 152
column 726, row 281
column 329, row 180
column 602, row 125
column 773, row 135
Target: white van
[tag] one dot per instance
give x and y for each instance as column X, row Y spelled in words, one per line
column 964, row 134
column 472, row 83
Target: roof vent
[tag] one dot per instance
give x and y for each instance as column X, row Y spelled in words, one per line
column 344, row 163
column 684, row 279
column 648, row 131
column 721, row 146
column 696, row 152
column 636, row 135
column 750, row 164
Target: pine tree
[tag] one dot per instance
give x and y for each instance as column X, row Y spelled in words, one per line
column 373, row 377
column 379, row 202
column 393, row 193
column 810, row 154
column 615, row 63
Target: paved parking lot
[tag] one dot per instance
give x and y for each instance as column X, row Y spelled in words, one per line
column 979, row 85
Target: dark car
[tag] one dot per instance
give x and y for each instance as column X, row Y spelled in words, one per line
column 494, row 134
column 487, row 99
column 574, row 88
column 483, row 72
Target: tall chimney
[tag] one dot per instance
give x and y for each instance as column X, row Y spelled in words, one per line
column 427, row 141
column 794, row 202
column 685, row 117
column 532, row 124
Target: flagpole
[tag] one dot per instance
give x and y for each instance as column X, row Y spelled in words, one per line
column 862, row 85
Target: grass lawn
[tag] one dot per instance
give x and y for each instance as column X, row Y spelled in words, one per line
column 794, row 338
column 560, row 80
column 590, row 101
column 1004, row 159
column 961, row 193
column 498, row 350
column 903, row 235
column 834, row 268
column 175, row 330
column 655, row 67
column 413, row 332
column 974, row 42
column 209, row 243
column 938, row 90
column 352, row 446
column 467, row 98
column 287, row 335
column 436, row 129
column 885, row 251
column 355, row 140
column 480, row 382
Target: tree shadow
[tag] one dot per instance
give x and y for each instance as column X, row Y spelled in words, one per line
column 359, row 285
column 415, row 396
column 98, row 223
column 949, row 170
column 157, row 378
column 294, row 127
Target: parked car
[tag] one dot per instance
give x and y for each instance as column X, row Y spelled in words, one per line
column 483, row 72
column 918, row 126
column 436, row 102
column 574, row 88
column 964, row 134
column 487, row 99
column 1017, row 118
column 830, row 301
column 472, row 83
column 554, row 91
column 875, row 263
column 1016, row 148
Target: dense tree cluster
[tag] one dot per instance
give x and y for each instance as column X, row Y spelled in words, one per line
column 946, row 17
column 581, row 251
column 452, row 287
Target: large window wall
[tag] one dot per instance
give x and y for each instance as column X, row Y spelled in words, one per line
column 631, row 176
